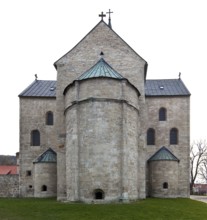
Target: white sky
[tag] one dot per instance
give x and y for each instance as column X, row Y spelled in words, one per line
column 171, row 35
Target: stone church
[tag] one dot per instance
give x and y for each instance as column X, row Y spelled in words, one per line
column 103, row 132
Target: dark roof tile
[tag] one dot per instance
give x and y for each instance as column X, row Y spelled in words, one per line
column 166, row 87
column 159, row 87
column 40, row 88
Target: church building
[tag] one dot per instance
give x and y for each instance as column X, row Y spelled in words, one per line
column 103, row 132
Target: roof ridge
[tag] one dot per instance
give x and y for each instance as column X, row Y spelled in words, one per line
column 79, row 42
column 102, row 21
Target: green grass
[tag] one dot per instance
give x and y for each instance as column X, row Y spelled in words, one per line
column 153, row 209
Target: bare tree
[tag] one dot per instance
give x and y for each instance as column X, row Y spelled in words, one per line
column 203, row 170
column 198, row 153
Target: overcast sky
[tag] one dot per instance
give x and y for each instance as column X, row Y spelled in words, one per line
column 171, row 35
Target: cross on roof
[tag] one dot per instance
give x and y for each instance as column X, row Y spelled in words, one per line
column 109, row 12
column 102, row 15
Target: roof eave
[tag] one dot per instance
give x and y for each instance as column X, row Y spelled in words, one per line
column 55, row 63
column 82, row 80
column 163, row 96
column 38, row 97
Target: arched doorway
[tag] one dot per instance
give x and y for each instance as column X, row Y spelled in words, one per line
column 98, row 194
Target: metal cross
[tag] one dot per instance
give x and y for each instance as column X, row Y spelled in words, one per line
column 109, row 12
column 109, row 24
column 102, row 15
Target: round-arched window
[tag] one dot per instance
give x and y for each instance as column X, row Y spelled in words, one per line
column 165, row 185
column 44, row 188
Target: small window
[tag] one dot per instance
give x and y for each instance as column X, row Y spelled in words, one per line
column 150, row 136
column 30, row 186
column 174, row 136
column 28, row 173
column 44, row 188
column 162, row 114
column 35, row 138
column 165, row 185
column 98, row 194
column 49, row 118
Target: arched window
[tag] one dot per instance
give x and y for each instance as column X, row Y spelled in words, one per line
column 150, row 136
column 49, row 118
column 162, row 114
column 44, row 188
column 174, row 136
column 98, row 194
column 165, row 185
column 35, row 138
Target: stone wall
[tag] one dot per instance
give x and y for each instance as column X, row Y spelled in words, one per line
column 160, row 173
column 101, row 140
column 100, row 125
column 81, row 58
column 9, row 185
column 45, row 179
column 33, row 116
column 178, row 116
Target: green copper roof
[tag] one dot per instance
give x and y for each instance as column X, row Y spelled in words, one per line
column 163, row 154
column 101, row 69
column 49, row 156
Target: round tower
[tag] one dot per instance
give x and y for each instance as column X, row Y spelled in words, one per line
column 163, row 171
column 102, row 123
column 45, row 174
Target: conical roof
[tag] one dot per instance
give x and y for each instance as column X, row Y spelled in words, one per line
column 101, row 69
column 163, row 154
column 49, row 156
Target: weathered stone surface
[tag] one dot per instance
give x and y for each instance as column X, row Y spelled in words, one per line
column 100, row 129
column 162, row 172
column 9, row 185
column 45, row 179
column 178, row 116
column 33, row 116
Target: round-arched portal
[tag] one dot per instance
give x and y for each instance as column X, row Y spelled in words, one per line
column 98, row 194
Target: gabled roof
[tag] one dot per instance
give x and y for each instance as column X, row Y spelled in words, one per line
column 49, row 156
column 101, row 69
column 8, row 169
column 102, row 21
column 166, row 87
column 163, row 154
column 40, row 88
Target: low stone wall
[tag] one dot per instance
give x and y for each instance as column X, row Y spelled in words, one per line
column 9, row 185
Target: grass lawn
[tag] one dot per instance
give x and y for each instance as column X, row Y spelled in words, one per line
column 50, row 209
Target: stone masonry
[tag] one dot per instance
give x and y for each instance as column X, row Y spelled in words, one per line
column 100, row 127
column 9, row 185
